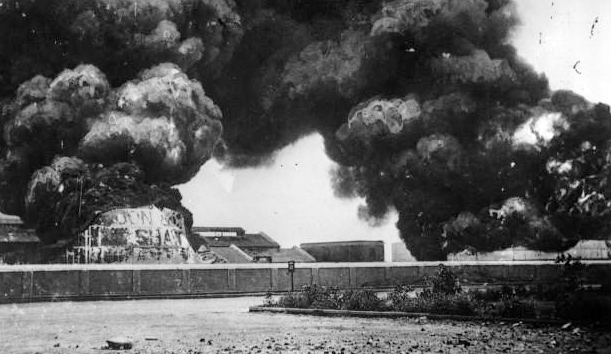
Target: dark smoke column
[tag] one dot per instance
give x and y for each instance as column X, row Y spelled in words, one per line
column 472, row 152
column 428, row 110
column 121, row 38
column 423, row 104
column 86, row 149
column 119, row 130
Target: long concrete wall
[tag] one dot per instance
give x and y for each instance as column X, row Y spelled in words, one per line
column 88, row 282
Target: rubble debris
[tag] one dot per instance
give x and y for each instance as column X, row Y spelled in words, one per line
column 118, row 343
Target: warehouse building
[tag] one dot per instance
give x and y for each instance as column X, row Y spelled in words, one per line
column 346, row 251
column 17, row 243
column 234, row 245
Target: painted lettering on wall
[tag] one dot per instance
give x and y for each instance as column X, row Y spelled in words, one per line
column 135, row 234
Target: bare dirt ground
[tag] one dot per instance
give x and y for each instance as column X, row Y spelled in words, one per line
column 225, row 326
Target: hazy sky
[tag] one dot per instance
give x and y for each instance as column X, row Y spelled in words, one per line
column 292, row 200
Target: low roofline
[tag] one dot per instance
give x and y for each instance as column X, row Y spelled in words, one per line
column 238, row 230
column 246, row 255
column 267, row 238
column 255, row 241
column 6, row 219
column 304, row 253
column 339, row 242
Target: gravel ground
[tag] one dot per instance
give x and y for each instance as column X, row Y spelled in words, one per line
column 225, row 326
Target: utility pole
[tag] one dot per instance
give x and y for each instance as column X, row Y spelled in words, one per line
column 292, row 271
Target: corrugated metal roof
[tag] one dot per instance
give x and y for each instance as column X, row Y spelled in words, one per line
column 237, row 230
column 10, row 220
column 288, row 254
column 343, row 243
column 231, row 254
column 260, row 240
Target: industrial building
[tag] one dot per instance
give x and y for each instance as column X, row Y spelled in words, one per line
column 234, row 245
column 17, row 243
column 584, row 249
column 346, row 251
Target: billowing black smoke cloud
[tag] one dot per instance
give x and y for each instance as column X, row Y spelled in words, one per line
column 76, row 148
column 423, row 103
column 121, row 37
column 124, row 122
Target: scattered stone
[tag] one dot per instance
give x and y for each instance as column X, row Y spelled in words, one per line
column 119, row 343
column 566, row 325
column 366, row 336
column 553, row 343
column 464, row 342
column 56, row 345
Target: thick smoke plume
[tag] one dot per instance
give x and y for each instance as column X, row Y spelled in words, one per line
column 424, row 105
column 76, row 148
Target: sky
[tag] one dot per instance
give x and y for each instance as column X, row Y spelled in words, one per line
column 292, row 200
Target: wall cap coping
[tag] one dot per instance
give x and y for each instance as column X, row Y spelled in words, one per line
column 305, row 265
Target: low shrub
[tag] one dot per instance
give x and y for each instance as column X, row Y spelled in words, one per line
column 513, row 308
column 269, row 300
column 455, row 304
column 445, row 296
column 362, row 300
column 444, row 281
column 322, row 297
column 400, row 294
column 310, row 296
column 293, row 300
column 332, row 298
column 503, row 293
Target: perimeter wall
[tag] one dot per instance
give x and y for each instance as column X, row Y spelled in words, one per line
column 93, row 282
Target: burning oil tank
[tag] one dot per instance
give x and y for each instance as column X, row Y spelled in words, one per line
column 135, row 235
